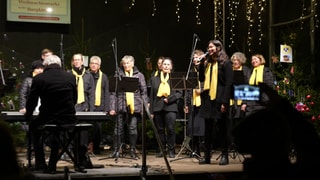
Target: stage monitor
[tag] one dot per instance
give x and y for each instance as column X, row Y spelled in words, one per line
column 39, row 11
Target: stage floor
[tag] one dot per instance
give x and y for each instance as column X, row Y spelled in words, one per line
column 125, row 168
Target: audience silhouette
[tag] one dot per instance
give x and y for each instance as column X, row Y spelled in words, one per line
column 269, row 136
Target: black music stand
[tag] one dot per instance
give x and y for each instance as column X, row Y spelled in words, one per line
column 123, row 84
column 179, row 82
column 126, row 84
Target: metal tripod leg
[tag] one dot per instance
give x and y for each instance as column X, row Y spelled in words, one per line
column 185, row 146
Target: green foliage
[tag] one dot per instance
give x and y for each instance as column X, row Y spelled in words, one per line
column 19, row 136
column 293, row 83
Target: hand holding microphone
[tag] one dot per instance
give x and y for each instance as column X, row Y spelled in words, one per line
column 200, row 58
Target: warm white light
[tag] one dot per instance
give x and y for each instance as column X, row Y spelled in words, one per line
column 49, row 10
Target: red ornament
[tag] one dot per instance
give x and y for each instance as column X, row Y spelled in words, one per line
column 313, row 118
column 312, row 103
column 319, row 116
column 308, row 96
column 307, row 109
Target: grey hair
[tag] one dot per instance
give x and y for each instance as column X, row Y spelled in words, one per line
column 52, row 59
column 127, row 58
column 96, row 58
column 240, row 56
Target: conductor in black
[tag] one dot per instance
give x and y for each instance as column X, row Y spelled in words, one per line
column 58, row 93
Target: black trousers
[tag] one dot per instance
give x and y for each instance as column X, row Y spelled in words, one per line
column 216, row 135
column 165, row 123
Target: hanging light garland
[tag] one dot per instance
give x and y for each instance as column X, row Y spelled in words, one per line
column 314, row 10
column 262, row 4
column 233, row 11
column 178, row 10
column 303, row 10
column 218, row 18
column 249, row 8
column 133, row 3
column 313, row 13
column 154, row 8
column 250, row 18
column 198, row 12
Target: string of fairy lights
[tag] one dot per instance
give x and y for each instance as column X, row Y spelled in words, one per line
column 218, row 20
column 233, row 14
column 249, row 9
column 314, row 11
column 178, row 10
column 254, row 15
column 198, row 12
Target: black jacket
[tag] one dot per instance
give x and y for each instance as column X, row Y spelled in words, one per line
column 105, row 94
column 118, row 98
column 58, row 93
column 211, row 108
column 157, row 103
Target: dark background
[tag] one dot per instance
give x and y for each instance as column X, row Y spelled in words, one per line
column 95, row 23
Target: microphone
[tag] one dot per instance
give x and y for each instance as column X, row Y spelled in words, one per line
column 202, row 56
column 114, row 40
column 196, row 36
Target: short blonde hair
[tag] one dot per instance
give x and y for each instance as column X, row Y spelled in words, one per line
column 260, row 56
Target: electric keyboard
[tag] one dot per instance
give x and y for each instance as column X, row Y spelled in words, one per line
column 81, row 116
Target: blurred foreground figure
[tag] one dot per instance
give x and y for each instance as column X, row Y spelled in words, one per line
column 269, row 136
column 9, row 166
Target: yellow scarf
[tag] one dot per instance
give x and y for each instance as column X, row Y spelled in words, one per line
column 211, row 86
column 80, row 85
column 130, row 95
column 164, row 88
column 257, row 75
column 156, row 73
column 98, row 90
column 239, row 102
column 196, row 97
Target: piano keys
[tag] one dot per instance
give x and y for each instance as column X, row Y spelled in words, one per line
column 15, row 116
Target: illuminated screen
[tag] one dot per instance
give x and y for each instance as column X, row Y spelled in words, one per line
column 39, row 11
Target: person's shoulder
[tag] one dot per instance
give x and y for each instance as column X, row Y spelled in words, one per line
column 267, row 69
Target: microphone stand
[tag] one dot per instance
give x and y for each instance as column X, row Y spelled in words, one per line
column 115, row 52
column 186, row 142
column 193, row 47
column 117, row 78
column 3, row 83
column 61, row 52
column 2, row 76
